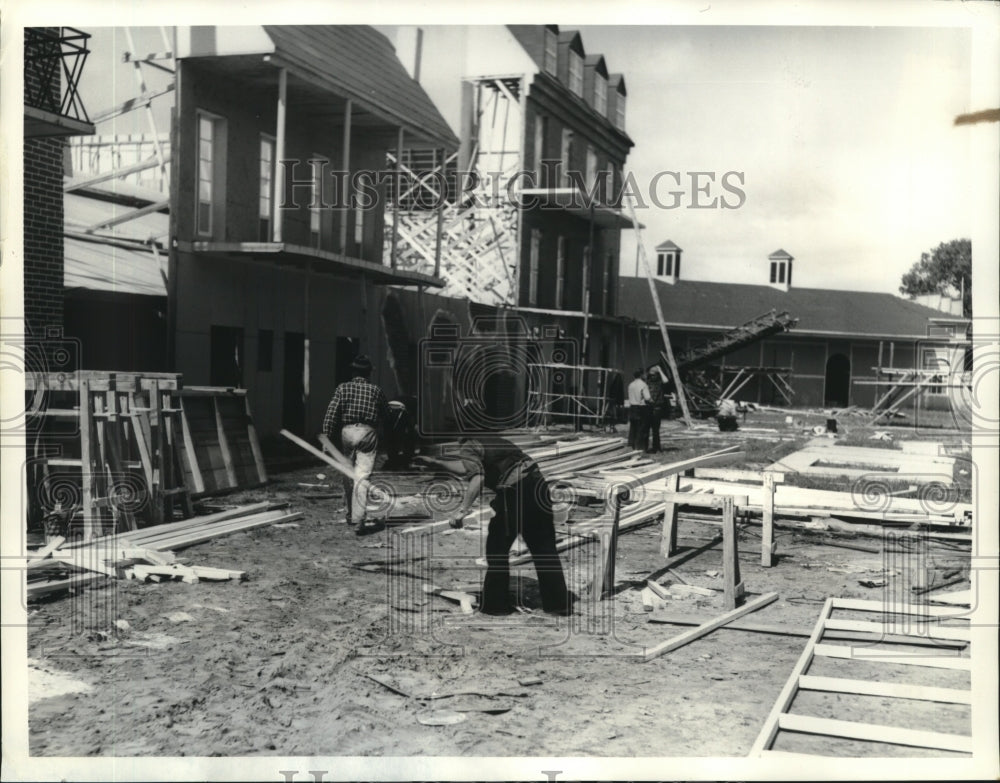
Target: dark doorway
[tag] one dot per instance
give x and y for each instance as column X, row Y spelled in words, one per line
column 226, row 356
column 347, row 349
column 838, row 380
column 293, row 403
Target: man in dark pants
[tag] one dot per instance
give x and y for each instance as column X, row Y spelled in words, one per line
column 522, row 505
column 654, row 380
column 638, row 411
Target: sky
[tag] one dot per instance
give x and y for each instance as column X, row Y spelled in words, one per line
column 842, row 138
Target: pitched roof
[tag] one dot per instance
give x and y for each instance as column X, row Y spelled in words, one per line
column 779, row 253
column 359, row 61
column 819, row 310
column 668, row 245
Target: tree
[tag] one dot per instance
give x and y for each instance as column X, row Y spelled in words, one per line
column 945, row 270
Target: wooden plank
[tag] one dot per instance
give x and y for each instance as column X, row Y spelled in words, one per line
column 893, row 690
column 767, row 522
column 335, row 452
column 333, row 463
column 930, row 629
column 604, row 576
column 874, row 733
column 770, row 728
column 885, row 607
column 668, row 531
column 47, row 550
column 86, row 461
column 38, row 589
column 732, row 582
column 189, row 455
column 198, row 537
column 872, row 656
column 134, row 537
column 731, row 474
column 706, row 628
column 227, row 458
column 258, row 455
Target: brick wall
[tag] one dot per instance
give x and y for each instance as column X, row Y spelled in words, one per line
column 43, row 233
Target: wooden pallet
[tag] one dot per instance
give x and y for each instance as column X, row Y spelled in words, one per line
column 782, row 719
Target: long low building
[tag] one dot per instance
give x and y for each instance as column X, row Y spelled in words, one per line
column 827, row 358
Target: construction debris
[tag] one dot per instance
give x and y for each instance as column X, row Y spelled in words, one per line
column 146, row 554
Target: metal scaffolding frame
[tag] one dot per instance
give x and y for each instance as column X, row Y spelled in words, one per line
column 585, row 400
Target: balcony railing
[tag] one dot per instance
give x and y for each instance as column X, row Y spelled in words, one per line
column 53, row 62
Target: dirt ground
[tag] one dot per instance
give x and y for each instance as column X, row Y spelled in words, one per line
column 330, row 647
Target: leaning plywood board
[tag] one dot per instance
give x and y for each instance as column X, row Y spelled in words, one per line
column 781, row 717
column 218, row 446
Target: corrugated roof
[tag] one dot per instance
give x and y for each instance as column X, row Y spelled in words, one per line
column 359, row 61
column 112, row 260
column 107, row 267
column 726, row 305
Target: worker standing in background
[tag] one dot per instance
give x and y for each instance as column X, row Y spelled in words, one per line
column 522, row 505
column 354, row 421
column 726, row 417
column 654, row 380
column 638, row 411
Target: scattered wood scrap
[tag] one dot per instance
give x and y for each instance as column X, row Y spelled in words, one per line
column 147, row 554
column 707, row 628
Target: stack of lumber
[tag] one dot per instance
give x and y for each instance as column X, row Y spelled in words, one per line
column 145, row 554
column 104, row 451
column 219, row 450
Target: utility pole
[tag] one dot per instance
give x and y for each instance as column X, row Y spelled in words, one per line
column 659, row 315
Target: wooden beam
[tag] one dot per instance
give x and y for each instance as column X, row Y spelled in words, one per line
column 398, row 182
column 333, row 463
column 335, row 452
column 132, row 103
column 706, row 628
column 732, row 582
column 150, row 162
column 770, row 728
column 345, row 159
column 227, row 457
column 887, row 607
column 131, row 215
column 47, row 550
column 668, row 531
column 894, row 690
column 874, row 656
column 668, row 349
column 874, row 733
column 277, row 216
column 926, row 630
column 767, row 534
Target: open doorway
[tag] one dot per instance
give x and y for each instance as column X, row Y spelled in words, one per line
column 838, row 381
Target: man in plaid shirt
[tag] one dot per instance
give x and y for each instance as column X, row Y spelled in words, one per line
column 355, row 417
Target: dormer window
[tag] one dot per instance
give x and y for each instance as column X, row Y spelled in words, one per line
column 668, row 261
column 576, row 74
column 620, row 112
column 600, row 95
column 781, row 269
column 551, row 51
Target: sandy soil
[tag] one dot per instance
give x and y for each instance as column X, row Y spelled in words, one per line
column 284, row 662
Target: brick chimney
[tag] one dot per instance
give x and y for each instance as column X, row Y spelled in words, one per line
column 780, row 270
